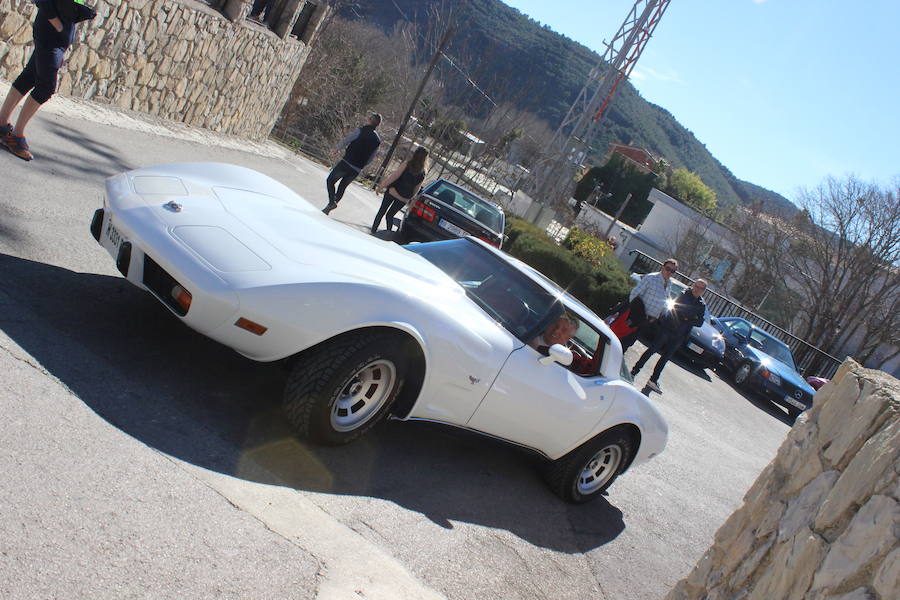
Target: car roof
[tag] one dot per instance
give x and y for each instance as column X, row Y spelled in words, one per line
column 754, row 327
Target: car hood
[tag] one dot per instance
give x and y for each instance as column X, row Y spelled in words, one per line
column 244, row 223
column 705, row 333
column 784, row 371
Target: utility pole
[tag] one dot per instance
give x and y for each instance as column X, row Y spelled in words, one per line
column 445, row 39
column 618, row 213
column 571, row 142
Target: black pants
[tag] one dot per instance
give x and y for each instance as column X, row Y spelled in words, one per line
column 343, row 172
column 39, row 75
column 389, row 208
column 665, row 344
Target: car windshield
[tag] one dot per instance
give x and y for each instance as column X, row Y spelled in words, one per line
column 468, row 203
column 510, row 297
column 771, row 346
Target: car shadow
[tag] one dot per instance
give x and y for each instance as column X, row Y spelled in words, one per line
column 140, row 369
column 756, row 400
column 693, row 367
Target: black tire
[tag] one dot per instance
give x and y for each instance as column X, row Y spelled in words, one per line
column 343, row 388
column 584, row 473
column 742, row 374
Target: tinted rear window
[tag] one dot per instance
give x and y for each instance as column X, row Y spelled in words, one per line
column 467, row 202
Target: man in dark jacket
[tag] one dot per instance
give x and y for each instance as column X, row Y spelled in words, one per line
column 53, row 32
column 362, row 145
column 674, row 327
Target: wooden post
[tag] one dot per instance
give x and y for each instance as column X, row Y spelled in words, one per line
column 451, row 28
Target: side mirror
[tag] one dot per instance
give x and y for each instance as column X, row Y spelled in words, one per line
column 559, row 354
column 714, row 321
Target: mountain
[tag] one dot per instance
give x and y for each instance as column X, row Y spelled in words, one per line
column 515, row 51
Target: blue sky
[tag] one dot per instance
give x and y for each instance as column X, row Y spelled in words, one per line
column 782, row 92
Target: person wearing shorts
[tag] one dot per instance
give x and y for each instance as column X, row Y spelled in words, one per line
column 53, row 32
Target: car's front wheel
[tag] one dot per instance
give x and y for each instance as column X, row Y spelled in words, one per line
column 338, row 391
column 742, row 374
column 583, row 474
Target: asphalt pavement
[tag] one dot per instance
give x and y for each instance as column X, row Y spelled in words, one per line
column 143, row 460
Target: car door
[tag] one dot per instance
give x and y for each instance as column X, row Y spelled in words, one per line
column 545, row 407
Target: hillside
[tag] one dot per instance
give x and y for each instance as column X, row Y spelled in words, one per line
column 553, row 68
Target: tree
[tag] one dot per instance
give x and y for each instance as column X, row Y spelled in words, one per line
column 844, row 262
column 615, row 180
column 690, row 189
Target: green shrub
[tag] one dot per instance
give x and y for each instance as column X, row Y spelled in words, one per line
column 587, row 246
column 599, row 286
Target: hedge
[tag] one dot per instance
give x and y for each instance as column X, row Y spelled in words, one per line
column 598, row 286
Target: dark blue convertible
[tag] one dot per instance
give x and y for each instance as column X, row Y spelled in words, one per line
column 763, row 364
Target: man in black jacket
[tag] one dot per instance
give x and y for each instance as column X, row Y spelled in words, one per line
column 53, row 32
column 362, row 145
column 674, row 327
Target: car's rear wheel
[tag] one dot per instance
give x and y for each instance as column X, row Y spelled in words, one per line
column 583, row 474
column 742, row 374
column 340, row 390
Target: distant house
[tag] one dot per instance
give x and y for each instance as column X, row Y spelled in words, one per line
column 642, row 159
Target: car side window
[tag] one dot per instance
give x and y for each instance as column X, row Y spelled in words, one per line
column 738, row 327
column 589, row 344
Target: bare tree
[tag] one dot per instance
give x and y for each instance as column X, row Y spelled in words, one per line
column 761, row 244
column 844, row 260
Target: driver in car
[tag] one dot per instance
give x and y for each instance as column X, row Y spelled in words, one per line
column 561, row 331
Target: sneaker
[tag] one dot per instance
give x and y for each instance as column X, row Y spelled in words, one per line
column 652, row 385
column 329, row 207
column 17, row 145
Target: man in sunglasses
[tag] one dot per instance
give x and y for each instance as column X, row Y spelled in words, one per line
column 653, row 291
column 674, row 326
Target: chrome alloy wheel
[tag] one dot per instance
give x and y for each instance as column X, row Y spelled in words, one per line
column 600, row 469
column 365, row 392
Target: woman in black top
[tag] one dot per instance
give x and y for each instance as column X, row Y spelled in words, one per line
column 401, row 187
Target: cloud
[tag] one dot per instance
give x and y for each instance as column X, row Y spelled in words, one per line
column 643, row 73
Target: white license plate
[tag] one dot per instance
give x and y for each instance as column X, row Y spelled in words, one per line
column 452, row 228
column 696, row 348
column 111, row 238
column 793, row 402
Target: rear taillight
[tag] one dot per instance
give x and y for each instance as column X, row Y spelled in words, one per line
column 182, row 297
column 420, row 209
column 494, row 243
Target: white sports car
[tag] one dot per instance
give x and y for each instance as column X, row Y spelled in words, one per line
column 434, row 332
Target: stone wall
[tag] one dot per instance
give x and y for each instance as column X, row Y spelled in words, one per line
column 822, row 521
column 177, row 59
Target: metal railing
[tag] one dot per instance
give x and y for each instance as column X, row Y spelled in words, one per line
column 810, row 359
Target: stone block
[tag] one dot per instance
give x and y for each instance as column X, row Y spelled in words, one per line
column 864, row 418
column 13, row 24
column 801, row 511
column 767, row 522
column 750, row 563
column 791, row 568
column 737, row 551
column 870, row 535
column 887, row 577
column 870, row 469
column 857, row 594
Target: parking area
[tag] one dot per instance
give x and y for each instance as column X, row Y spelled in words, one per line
column 459, row 516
